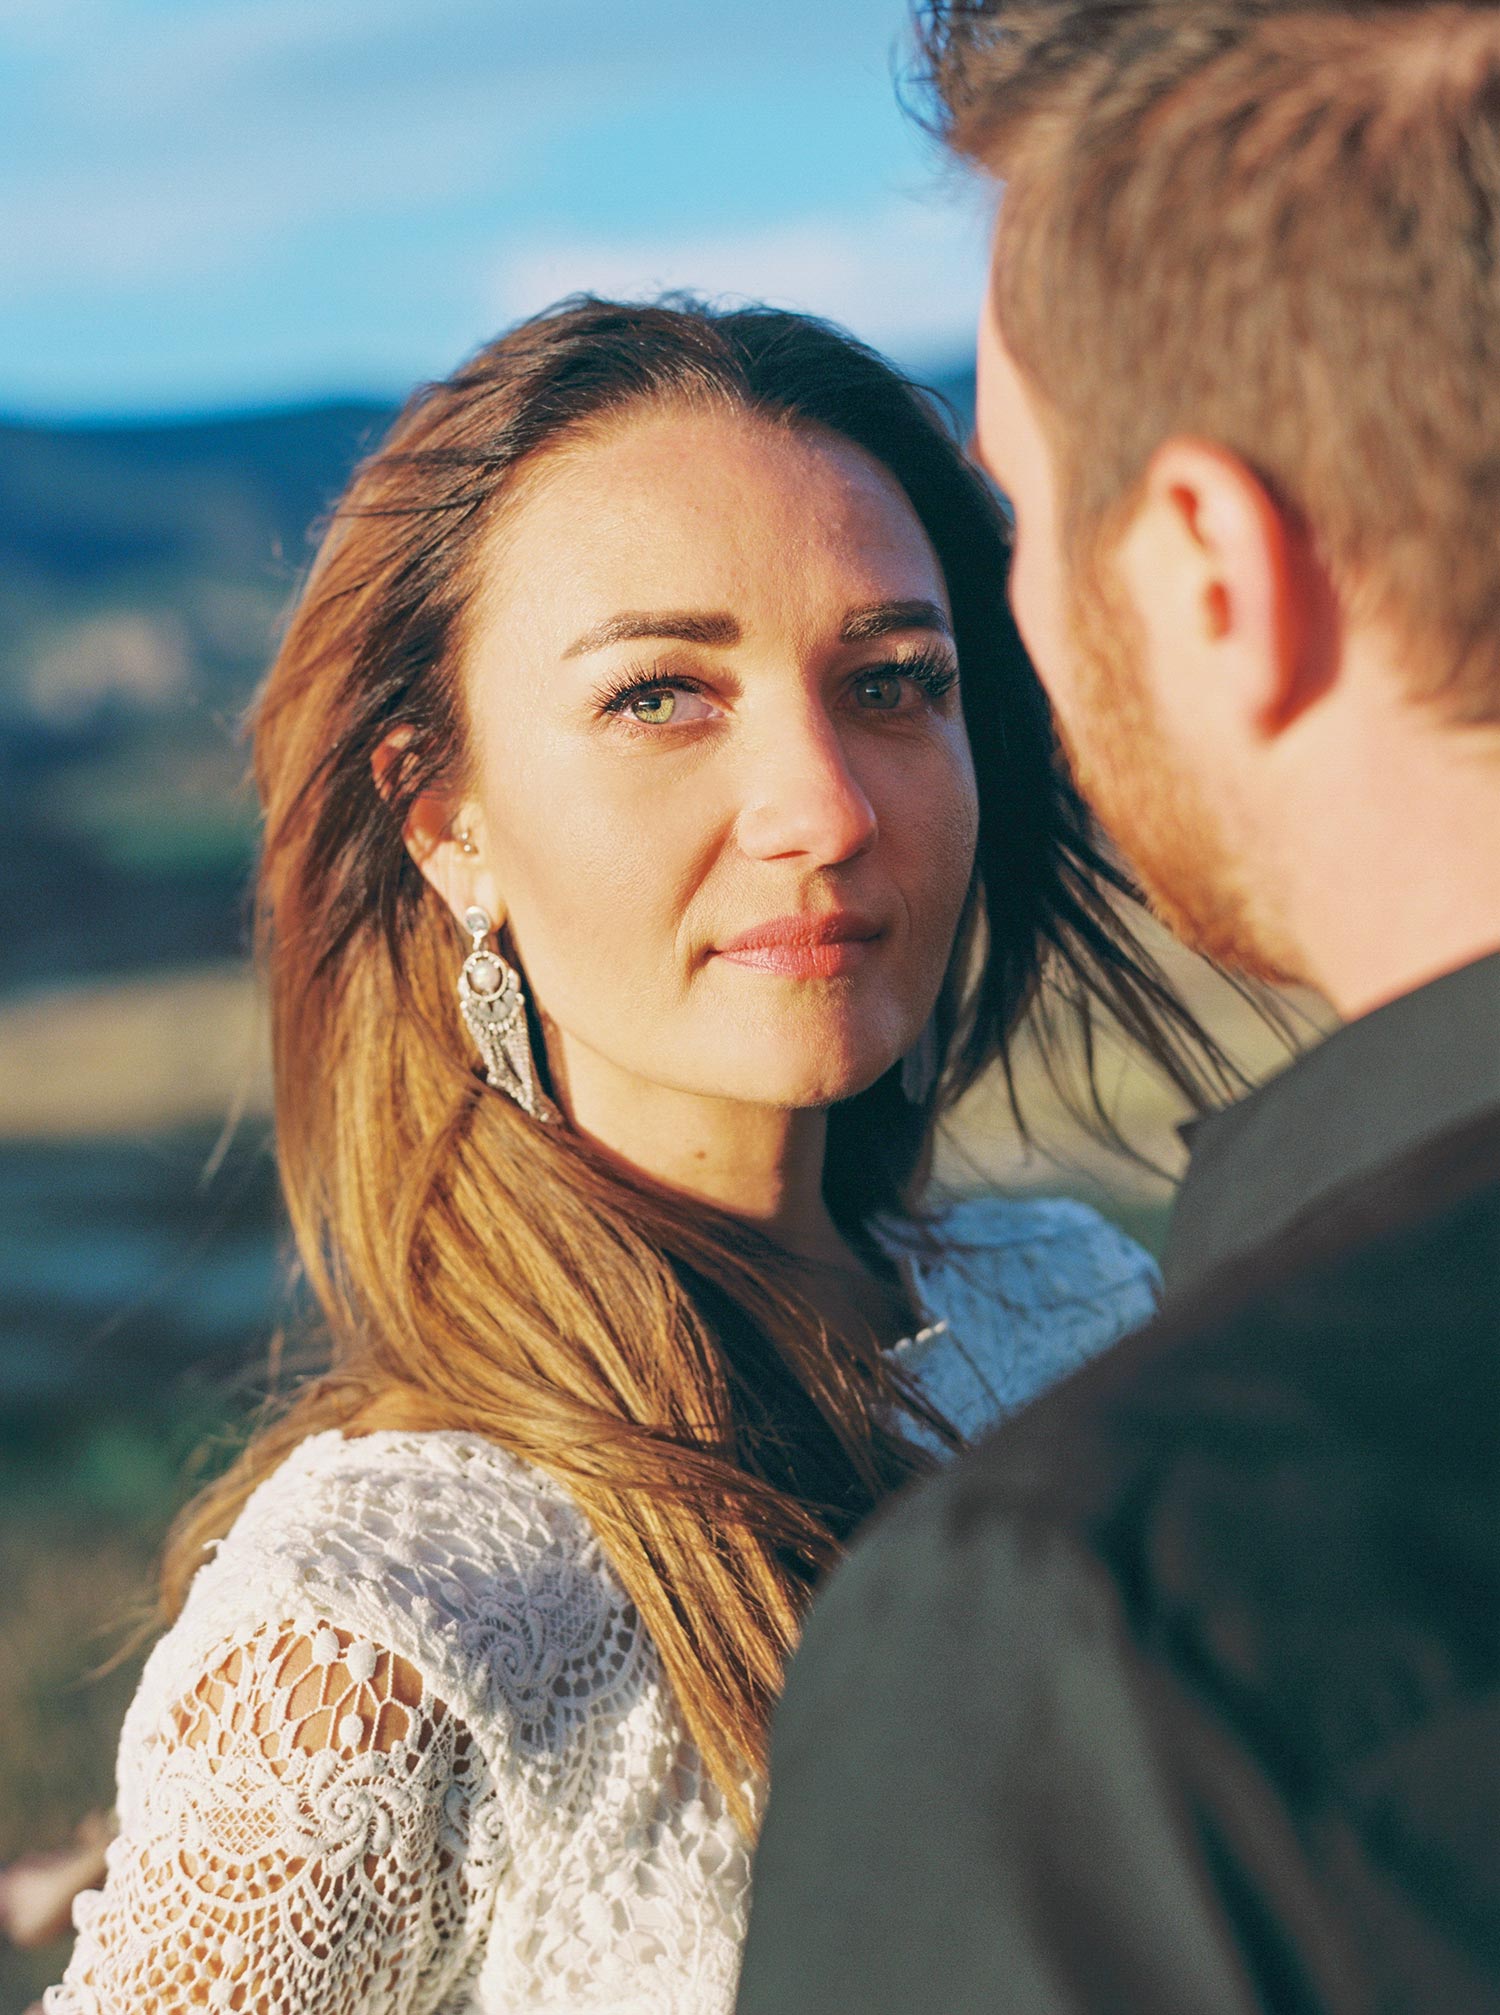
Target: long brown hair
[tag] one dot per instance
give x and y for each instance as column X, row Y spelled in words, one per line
column 478, row 1270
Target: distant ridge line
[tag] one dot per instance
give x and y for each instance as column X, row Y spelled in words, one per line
column 955, row 381
column 92, row 426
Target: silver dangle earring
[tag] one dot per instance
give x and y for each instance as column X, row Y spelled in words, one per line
column 494, row 1006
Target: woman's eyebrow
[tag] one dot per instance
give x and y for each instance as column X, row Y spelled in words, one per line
column 688, row 626
column 880, row 619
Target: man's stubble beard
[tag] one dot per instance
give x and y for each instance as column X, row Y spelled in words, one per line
column 1146, row 796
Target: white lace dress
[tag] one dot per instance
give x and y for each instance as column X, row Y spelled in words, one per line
column 408, row 1747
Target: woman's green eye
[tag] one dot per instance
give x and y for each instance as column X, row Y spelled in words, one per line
column 655, row 709
column 881, row 690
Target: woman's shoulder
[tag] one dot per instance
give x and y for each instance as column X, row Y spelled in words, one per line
column 1017, row 1291
column 346, row 1689
column 471, row 1565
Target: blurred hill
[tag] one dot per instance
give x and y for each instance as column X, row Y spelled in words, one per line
column 143, row 573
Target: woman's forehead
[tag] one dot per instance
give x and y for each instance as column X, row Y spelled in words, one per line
column 703, row 507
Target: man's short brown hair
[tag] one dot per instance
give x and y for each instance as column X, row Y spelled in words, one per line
column 1276, row 226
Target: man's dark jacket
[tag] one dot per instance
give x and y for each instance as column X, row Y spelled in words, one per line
column 1181, row 1695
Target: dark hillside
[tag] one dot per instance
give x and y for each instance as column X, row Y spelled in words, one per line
column 143, row 573
column 81, row 506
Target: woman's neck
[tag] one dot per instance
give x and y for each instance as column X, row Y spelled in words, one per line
column 761, row 1164
column 758, row 1163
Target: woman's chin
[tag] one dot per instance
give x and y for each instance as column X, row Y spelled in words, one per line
column 816, row 1081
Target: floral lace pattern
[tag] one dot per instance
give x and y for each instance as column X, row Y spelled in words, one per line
column 408, row 1749
column 257, row 1856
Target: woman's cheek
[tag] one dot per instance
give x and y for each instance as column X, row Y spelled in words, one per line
column 594, row 912
column 935, row 818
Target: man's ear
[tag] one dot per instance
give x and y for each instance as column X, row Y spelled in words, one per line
column 445, row 836
column 1235, row 572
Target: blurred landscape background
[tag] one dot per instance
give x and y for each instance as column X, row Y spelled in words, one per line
column 144, row 571
column 237, row 231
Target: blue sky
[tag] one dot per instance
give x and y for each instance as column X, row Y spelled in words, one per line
column 209, row 203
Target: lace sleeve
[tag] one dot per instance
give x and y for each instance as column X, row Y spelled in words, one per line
column 306, row 1831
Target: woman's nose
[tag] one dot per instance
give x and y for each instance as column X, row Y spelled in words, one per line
column 802, row 798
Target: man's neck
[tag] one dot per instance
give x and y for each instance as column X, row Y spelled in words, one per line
column 1387, row 856
column 1364, row 984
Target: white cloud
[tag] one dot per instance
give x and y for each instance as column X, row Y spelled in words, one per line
column 906, row 275
column 148, row 203
column 181, row 144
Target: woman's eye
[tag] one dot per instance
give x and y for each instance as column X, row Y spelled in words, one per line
column 655, row 709
column 881, row 691
column 661, row 706
column 903, row 684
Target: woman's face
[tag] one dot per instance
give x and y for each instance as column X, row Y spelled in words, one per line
column 723, row 790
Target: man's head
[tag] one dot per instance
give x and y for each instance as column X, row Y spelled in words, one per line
column 1240, row 371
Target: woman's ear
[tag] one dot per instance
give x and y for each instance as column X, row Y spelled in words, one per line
column 445, row 836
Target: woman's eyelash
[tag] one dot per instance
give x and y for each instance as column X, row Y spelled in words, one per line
column 932, row 670
column 615, row 698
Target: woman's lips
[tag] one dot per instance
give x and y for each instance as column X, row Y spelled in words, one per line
column 805, row 947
